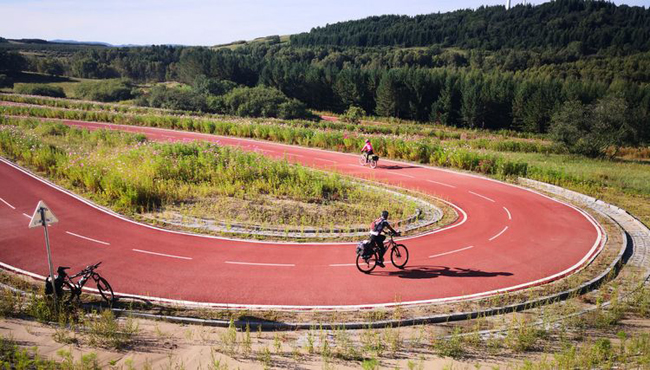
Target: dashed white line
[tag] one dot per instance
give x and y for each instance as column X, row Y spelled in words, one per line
column 401, row 174
column 499, row 234
column 441, row 183
column 162, row 254
column 325, row 160
column 482, row 196
column 342, row 264
column 28, row 216
column 508, row 212
column 450, row 252
column 261, row 264
column 294, row 155
column 5, row 202
column 87, row 238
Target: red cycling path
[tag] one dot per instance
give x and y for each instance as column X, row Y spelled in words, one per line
column 506, row 238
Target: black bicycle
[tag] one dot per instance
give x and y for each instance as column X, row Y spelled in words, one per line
column 68, row 290
column 367, row 257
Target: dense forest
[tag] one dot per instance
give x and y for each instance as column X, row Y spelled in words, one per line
column 530, row 68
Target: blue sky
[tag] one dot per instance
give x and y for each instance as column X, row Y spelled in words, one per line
column 201, row 22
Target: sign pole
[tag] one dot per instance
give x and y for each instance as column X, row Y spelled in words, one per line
column 49, row 253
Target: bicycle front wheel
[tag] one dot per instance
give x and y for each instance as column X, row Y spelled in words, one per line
column 362, row 160
column 399, row 256
column 366, row 265
column 105, row 290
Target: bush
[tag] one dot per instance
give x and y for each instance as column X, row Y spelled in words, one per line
column 105, row 91
column 173, row 98
column 354, row 114
column 40, row 89
column 262, row 101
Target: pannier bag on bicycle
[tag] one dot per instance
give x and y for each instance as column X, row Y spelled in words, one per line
column 364, row 248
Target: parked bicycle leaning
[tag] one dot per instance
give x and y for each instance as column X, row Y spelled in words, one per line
column 68, row 290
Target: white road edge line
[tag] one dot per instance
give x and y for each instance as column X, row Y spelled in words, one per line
column 441, row 183
column 401, row 174
column 261, row 264
column 162, row 254
column 499, row 234
column 87, row 238
column 5, row 202
column 342, row 264
column 508, row 212
column 482, row 196
column 450, row 252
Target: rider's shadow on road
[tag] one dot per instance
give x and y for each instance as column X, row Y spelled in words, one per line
column 397, row 167
column 431, row 272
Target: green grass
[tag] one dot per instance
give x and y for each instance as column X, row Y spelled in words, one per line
column 131, row 175
column 621, row 182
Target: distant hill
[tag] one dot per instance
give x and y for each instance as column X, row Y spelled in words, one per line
column 595, row 25
column 75, row 42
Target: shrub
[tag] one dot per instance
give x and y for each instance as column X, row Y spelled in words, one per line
column 105, row 91
column 354, row 114
column 40, row 89
column 262, row 101
column 173, row 98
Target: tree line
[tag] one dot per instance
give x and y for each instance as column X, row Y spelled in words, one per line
column 509, row 74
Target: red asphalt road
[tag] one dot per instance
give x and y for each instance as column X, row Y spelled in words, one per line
column 511, row 238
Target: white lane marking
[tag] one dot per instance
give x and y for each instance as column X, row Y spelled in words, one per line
column 325, row 160
column 401, row 174
column 508, row 212
column 261, row 264
column 450, row 252
column 28, row 216
column 356, row 165
column 5, row 202
column 499, row 234
column 294, row 155
column 342, row 264
column 87, row 238
column 482, row 196
column 162, row 254
column 441, row 183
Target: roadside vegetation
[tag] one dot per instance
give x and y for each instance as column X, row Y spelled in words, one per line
column 131, row 175
column 581, row 332
column 616, row 180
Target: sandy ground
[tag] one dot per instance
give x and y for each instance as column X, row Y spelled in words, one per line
column 161, row 345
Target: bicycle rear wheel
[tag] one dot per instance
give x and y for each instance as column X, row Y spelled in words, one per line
column 373, row 163
column 105, row 290
column 366, row 265
column 399, row 256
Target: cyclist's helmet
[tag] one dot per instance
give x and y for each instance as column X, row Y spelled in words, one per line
column 367, row 140
column 384, row 215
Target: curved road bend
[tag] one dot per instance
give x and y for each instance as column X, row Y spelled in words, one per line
column 506, row 238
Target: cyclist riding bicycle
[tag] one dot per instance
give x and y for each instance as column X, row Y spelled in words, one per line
column 367, row 149
column 376, row 236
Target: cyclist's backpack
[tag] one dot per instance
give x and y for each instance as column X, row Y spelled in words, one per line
column 377, row 223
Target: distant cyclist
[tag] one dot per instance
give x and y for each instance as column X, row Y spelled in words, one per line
column 376, row 236
column 367, row 149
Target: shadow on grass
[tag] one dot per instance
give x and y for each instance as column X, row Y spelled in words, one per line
column 23, row 77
